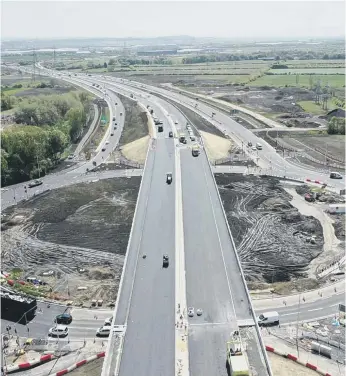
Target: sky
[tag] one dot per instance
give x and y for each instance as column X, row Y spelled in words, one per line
column 229, row 19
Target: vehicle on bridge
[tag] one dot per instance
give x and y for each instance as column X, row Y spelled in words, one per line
column 182, row 138
column 195, row 150
column 165, row 261
column 160, row 128
column 258, row 146
column 170, row 134
column 169, row 178
column 35, row 183
column 236, row 358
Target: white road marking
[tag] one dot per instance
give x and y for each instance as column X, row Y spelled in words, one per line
column 315, row 309
column 210, row 324
column 288, row 314
column 181, row 338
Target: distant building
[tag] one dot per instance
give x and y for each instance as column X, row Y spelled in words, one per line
column 337, row 112
column 157, row 52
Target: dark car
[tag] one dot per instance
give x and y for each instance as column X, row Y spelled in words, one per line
column 169, row 178
column 35, row 183
column 170, row 134
column 165, row 261
column 335, row 175
column 249, row 144
column 64, row 318
column 112, row 134
column 104, row 148
column 113, row 118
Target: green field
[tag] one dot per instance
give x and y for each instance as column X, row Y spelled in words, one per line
column 313, row 71
column 312, row 107
column 337, row 81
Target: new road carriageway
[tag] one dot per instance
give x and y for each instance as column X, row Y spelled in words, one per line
column 160, row 334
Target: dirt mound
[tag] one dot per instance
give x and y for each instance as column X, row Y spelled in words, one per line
column 100, row 274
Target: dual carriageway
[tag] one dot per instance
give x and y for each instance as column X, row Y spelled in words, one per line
column 186, row 221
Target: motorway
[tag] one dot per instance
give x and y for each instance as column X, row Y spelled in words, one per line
column 146, row 303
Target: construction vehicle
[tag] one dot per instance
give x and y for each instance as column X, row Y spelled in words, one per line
column 236, row 359
column 195, row 150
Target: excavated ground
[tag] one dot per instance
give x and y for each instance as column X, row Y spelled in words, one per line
column 80, row 232
column 271, row 236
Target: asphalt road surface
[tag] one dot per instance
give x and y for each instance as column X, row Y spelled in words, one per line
column 146, row 303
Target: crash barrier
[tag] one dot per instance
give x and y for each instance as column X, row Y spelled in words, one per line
column 295, row 359
column 79, row 364
column 21, row 366
column 316, row 181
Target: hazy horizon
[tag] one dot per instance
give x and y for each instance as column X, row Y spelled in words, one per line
column 247, row 20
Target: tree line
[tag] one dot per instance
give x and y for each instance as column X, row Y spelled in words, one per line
column 336, row 125
column 46, row 126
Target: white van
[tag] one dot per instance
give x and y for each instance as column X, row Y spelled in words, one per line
column 258, row 146
column 103, row 332
column 268, row 318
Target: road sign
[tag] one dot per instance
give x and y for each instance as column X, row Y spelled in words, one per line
column 341, row 308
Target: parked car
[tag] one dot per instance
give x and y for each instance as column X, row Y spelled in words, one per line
column 64, row 318
column 58, row 331
column 35, row 183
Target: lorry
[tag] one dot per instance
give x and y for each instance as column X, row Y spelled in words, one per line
column 195, row 150
column 236, row 358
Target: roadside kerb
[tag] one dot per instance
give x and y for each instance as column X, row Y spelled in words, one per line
column 297, row 360
column 107, row 363
column 30, row 364
column 78, row 364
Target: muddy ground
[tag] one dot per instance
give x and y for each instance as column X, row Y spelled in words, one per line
column 79, row 232
column 136, row 121
column 270, row 235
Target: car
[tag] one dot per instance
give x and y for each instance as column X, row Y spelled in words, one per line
column 199, row 312
column 335, row 175
column 258, row 146
column 254, row 148
column 116, row 103
column 58, row 331
column 121, row 114
column 115, row 123
column 112, row 134
column 193, row 138
column 104, row 331
column 249, row 144
column 170, row 134
column 71, row 156
column 64, row 318
column 191, row 312
column 107, row 142
column 169, row 178
column 113, row 118
column 108, row 322
column 35, row 183
column 175, row 122
column 104, row 148
column 165, row 261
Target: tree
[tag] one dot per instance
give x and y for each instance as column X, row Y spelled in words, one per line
column 75, row 118
column 111, row 61
column 105, row 65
